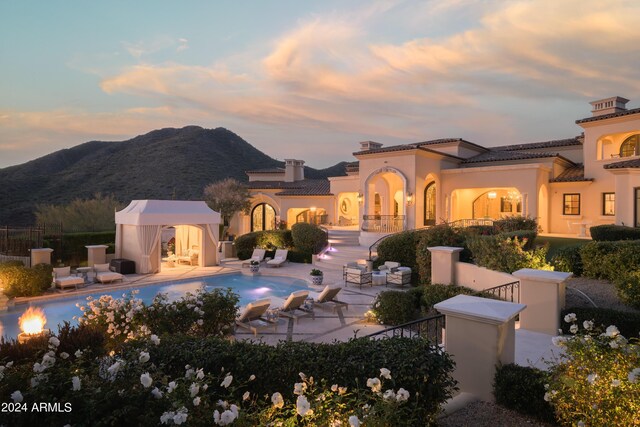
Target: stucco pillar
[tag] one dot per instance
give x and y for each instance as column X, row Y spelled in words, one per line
column 480, row 334
column 96, row 254
column 41, row 256
column 443, row 264
column 543, row 292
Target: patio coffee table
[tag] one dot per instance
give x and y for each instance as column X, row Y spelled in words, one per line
column 379, row 278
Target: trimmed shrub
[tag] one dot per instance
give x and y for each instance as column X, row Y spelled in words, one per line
column 21, row 281
column 274, row 239
column 515, row 223
column 627, row 322
column 612, row 232
column 507, row 254
column 481, row 230
column 245, row 244
column 396, row 307
column 73, row 246
column 567, row 258
column 610, row 260
column 528, row 237
column 522, row 389
column 628, row 287
column 400, row 248
column 308, row 238
column 439, row 235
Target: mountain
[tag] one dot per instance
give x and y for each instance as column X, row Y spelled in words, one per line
column 162, row 164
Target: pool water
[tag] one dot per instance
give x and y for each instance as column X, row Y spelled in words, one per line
column 249, row 288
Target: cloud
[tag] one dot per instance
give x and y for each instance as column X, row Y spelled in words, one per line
column 183, row 45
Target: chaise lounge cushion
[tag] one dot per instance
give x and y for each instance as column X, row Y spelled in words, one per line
column 104, row 275
column 64, row 279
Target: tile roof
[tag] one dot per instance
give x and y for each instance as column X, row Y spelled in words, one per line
column 500, row 156
column 609, row 116
column 634, row 163
column 572, row 174
column 266, row 170
column 415, row 146
column 543, row 144
column 306, row 187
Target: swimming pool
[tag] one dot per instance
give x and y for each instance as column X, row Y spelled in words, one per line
column 249, row 288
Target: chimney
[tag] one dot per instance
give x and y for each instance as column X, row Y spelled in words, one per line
column 293, row 170
column 611, row 105
column 369, row 145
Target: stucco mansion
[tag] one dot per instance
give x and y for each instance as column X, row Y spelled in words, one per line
column 567, row 184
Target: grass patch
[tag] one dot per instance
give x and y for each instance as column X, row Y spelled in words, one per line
column 556, row 243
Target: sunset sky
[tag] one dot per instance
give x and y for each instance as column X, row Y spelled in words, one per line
column 306, row 79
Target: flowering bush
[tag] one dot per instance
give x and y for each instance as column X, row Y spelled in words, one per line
column 597, row 383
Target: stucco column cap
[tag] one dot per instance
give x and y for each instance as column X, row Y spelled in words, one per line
column 483, row 310
column 41, row 250
column 96, row 246
column 449, row 249
column 542, row 275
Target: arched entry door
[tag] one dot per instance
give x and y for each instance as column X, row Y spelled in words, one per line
column 430, row 204
column 263, row 217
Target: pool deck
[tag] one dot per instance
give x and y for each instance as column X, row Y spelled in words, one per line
column 328, row 326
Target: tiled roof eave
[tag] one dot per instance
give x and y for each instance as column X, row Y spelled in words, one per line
column 572, row 180
column 609, row 116
column 283, row 194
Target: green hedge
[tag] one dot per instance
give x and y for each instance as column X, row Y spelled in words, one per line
column 308, row 238
column 610, row 260
column 522, row 389
column 628, row 287
column 612, row 232
column 627, row 322
column 567, row 258
column 270, row 240
column 433, row 294
column 400, row 248
column 21, row 281
column 396, row 307
column 439, row 235
column 507, row 252
column 515, row 223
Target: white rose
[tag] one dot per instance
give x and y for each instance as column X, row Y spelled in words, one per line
column 277, row 400
column 75, row 381
column 17, row 396
column 302, row 406
column 385, row 373
column 402, row 395
column 146, row 380
column 144, row 357
column 354, row 421
column 227, row 381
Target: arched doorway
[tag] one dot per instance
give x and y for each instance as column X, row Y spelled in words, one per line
column 430, row 204
column 263, row 217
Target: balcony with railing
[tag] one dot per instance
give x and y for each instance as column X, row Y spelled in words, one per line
column 383, row 223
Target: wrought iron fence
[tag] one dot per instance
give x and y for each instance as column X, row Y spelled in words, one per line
column 383, row 223
column 508, row 292
column 430, row 328
column 17, row 241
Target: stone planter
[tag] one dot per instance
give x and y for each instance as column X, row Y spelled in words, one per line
column 254, row 268
column 316, row 280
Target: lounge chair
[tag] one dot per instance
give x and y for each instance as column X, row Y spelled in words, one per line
column 279, row 258
column 252, row 312
column 105, row 275
column 358, row 277
column 189, row 257
column 399, row 276
column 328, row 296
column 257, row 255
column 351, row 265
column 292, row 307
column 63, row 279
column 388, row 265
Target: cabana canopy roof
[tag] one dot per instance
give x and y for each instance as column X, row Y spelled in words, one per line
column 167, row 212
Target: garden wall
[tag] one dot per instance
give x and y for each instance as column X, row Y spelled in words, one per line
column 479, row 278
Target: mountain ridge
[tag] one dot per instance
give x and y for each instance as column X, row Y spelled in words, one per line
column 161, row 164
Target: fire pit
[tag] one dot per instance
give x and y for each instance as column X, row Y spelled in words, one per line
column 32, row 324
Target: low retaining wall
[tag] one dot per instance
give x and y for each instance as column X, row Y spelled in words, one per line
column 480, row 278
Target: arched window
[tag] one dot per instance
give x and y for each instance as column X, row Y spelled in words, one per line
column 430, row 204
column 263, row 217
column 630, row 146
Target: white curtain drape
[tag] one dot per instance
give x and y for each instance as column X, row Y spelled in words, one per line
column 209, row 228
column 118, row 240
column 148, row 237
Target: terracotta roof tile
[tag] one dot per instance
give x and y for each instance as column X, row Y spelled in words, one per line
column 267, row 170
column 543, row 144
column 306, row 187
column 415, row 146
column 572, row 174
column 609, row 116
column 500, row 156
column 634, row 163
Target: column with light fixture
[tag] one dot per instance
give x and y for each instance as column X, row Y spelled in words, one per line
column 406, row 214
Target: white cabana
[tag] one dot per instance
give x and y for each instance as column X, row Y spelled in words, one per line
column 139, row 227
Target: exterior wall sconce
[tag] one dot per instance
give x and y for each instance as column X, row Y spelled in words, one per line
column 409, row 199
column 313, row 209
column 360, row 197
